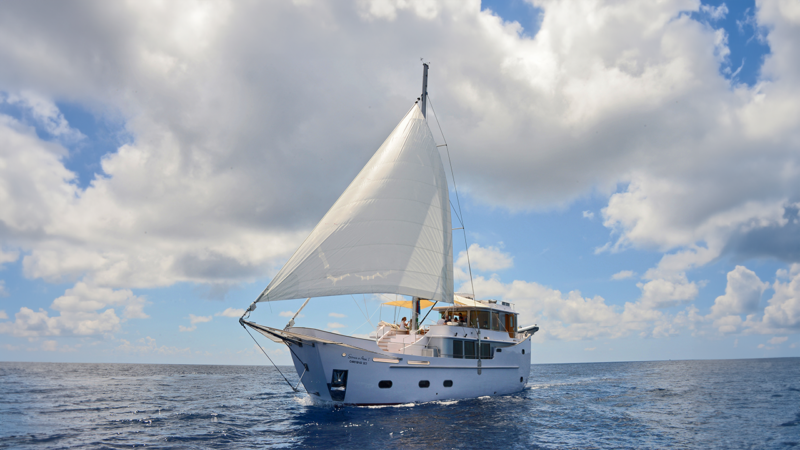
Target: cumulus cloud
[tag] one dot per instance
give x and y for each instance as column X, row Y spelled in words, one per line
column 571, row 316
column 337, row 315
column 742, row 294
column 484, row 259
column 782, row 313
column 232, row 312
column 778, row 340
column 588, row 215
column 626, row 95
column 79, row 313
column 623, row 274
column 715, row 12
column 194, row 320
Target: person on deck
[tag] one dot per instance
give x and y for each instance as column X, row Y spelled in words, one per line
column 441, row 320
column 403, row 324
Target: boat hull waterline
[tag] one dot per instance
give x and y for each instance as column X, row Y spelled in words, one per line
column 368, row 376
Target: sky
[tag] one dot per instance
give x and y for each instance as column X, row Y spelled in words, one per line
column 628, row 171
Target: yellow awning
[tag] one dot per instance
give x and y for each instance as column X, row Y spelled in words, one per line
column 407, row 304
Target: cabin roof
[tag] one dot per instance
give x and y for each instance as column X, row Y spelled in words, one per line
column 465, row 302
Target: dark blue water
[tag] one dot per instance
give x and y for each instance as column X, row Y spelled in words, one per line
column 668, row 404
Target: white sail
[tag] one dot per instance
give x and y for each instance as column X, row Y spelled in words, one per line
column 389, row 232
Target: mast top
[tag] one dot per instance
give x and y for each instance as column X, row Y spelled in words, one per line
column 424, row 97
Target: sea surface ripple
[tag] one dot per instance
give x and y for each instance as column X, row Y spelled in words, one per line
column 727, row 404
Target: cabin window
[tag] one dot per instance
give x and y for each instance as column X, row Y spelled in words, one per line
column 483, row 319
column 458, row 349
column 486, row 351
column 520, row 379
column 498, row 350
column 523, row 351
column 495, row 321
column 511, row 325
column 448, row 383
column 385, row 384
column 424, row 384
column 469, row 349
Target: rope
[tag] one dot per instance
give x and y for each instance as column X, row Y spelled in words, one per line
column 270, row 359
column 429, row 311
column 455, row 188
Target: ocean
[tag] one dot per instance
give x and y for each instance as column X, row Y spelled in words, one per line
column 727, row 404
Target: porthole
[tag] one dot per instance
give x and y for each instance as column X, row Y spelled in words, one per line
column 499, row 350
column 448, row 383
column 520, row 379
column 523, row 351
column 385, row 384
column 424, row 384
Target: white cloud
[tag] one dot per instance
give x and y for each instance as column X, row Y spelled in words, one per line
column 231, row 312
column 45, row 113
column 3, row 314
column 571, row 316
column 79, row 313
column 623, row 274
column 3, row 291
column 742, row 293
column 783, row 310
column 588, row 215
column 715, row 12
column 337, row 315
column 194, row 320
column 778, row 340
column 664, row 293
column 7, row 257
column 336, row 325
column 628, row 94
column 484, row 259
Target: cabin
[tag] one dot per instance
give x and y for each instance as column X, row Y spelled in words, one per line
column 471, row 330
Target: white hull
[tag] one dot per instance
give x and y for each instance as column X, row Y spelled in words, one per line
column 506, row 373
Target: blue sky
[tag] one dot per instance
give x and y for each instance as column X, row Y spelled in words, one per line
column 626, row 170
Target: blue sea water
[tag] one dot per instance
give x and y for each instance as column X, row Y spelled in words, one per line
column 667, row 404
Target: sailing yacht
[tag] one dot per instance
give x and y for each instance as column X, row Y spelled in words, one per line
column 390, row 232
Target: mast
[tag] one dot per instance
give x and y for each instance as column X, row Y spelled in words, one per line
column 424, row 97
column 423, row 100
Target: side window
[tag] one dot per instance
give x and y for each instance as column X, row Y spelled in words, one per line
column 483, row 319
column 385, row 384
column 469, row 349
column 458, row 349
column 424, row 384
column 448, row 383
column 486, row 351
column 495, row 321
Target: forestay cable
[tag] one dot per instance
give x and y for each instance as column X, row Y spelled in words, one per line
column 270, row 359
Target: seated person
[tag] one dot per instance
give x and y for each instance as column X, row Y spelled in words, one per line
column 455, row 320
column 403, row 324
column 441, row 320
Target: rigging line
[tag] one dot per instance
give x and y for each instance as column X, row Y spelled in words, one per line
column 270, row 359
column 455, row 188
column 364, row 297
column 426, row 315
column 373, row 314
column 359, row 307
